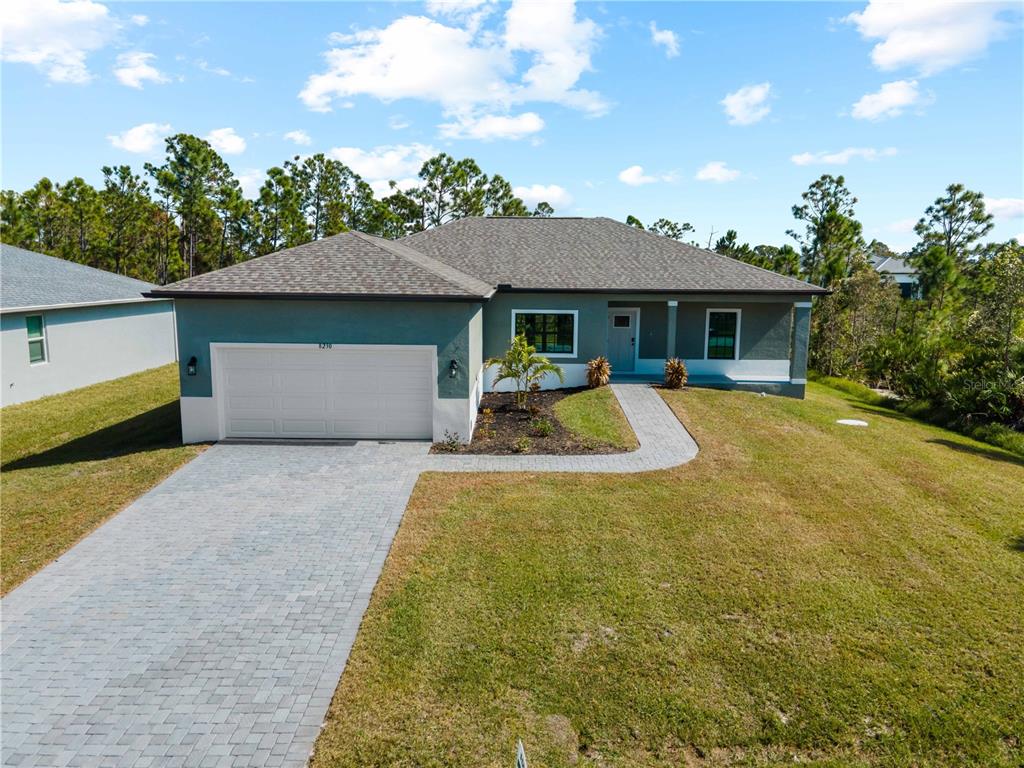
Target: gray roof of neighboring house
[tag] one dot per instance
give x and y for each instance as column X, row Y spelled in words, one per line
column 31, row 280
column 895, row 265
column 349, row 264
column 590, row 254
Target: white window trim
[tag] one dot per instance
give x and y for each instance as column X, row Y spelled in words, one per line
column 29, row 340
column 707, row 330
column 575, row 328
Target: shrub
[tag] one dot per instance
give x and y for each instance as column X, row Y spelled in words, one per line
column 485, row 423
column 521, row 445
column 541, row 427
column 451, row 442
column 599, row 371
column 524, row 368
column 675, row 373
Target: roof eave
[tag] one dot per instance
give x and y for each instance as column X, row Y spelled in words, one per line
column 143, row 298
column 809, row 291
column 305, row 296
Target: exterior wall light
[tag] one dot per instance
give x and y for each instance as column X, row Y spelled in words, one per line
column 190, row 367
column 453, row 369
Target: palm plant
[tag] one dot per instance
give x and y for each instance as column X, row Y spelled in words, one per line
column 524, row 368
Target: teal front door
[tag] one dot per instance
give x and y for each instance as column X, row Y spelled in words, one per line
column 622, row 325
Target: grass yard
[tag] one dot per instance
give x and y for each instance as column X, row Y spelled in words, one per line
column 595, row 414
column 71, row 461
column 801, row 591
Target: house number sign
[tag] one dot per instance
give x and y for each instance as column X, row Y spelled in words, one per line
column 326, row 345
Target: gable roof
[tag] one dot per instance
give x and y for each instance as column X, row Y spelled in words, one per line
column 590, row 254
column 350, row 264
column 895, row 265
column 30, row 280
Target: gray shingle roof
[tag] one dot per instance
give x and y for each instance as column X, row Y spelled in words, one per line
column 895, row 265
column 30, row 279
column 348, row 264
column 590, row 254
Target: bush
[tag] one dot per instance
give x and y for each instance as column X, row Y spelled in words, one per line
column 541, row 427
column 521, row 445
column 451, row 443
column 599, row 371
column 675, row 373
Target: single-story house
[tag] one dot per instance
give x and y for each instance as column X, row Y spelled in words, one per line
column 897, row 269
column 65, row 325
column 354, row 336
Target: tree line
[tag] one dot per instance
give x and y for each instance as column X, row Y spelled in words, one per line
column 188, row 215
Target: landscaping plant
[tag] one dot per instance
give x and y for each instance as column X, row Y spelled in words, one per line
column 524, row 368
column 541, row 427
column 675, row 373
column 599, row 371
column 521, row 445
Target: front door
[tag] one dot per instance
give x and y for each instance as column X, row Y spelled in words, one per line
column 622, row 339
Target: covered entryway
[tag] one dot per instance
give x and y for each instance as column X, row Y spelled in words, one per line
column 326, row 391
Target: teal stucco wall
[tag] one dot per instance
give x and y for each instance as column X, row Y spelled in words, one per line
column 766, row 326
column 444, row 324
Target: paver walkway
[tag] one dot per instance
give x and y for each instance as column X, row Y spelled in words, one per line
column 209, row 622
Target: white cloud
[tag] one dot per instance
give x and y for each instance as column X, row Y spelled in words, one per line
column 489, row 127
column 748, row 105
column 55, row 37
column 890, row 101
column 226, row 141
column 398, row 123
column 397, row 161
column 666, row 38
column 142, row 139
column 139, row 19
column 299, row 137
column 902, row 226
column 635, row 176
column 538, row 55
column 843, row 156
column 553, row 194
column 929, row 35
column 717, row 171
column 251, row 179
column 204, row 65
column 1005, row 207
column 134, row 68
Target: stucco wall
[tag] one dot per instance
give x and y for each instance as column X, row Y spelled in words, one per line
column 444, row 324
column 765, row 330
column 85, row 345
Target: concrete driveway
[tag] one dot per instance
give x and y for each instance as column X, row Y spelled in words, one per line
column 209, row 622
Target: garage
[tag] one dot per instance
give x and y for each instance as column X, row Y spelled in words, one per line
column 326, row 391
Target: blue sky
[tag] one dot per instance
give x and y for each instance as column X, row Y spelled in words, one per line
column 719, row 114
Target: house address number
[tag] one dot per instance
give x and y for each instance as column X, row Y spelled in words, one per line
column 326, row 345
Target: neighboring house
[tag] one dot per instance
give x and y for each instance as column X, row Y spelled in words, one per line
column 354, row 336
column 901, row 273
column 65, row 325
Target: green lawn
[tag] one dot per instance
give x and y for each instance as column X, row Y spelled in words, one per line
column 595, row 414
column 801, row 591
column 72, row 460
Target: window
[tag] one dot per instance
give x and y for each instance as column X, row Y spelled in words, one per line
column 552, row 332
column 620, row 321
column 36, row 338
column 723, row 334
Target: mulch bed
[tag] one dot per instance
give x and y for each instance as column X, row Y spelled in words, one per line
column 511, row 425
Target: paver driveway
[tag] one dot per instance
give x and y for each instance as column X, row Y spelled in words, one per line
column 209, row 622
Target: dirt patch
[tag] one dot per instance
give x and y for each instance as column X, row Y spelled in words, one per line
column 503, row 428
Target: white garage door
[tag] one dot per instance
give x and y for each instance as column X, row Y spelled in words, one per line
column 339, row 392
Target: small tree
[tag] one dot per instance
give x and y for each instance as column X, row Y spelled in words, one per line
column 524, row 367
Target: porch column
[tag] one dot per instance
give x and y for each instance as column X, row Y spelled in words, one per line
column 800, row 338
column 670, row 346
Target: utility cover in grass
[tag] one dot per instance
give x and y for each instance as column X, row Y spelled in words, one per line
column 852, row 422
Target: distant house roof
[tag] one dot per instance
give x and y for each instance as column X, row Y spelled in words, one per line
column 895, row 265
column 350, row 264
column 590, row 254
column 30, row 280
